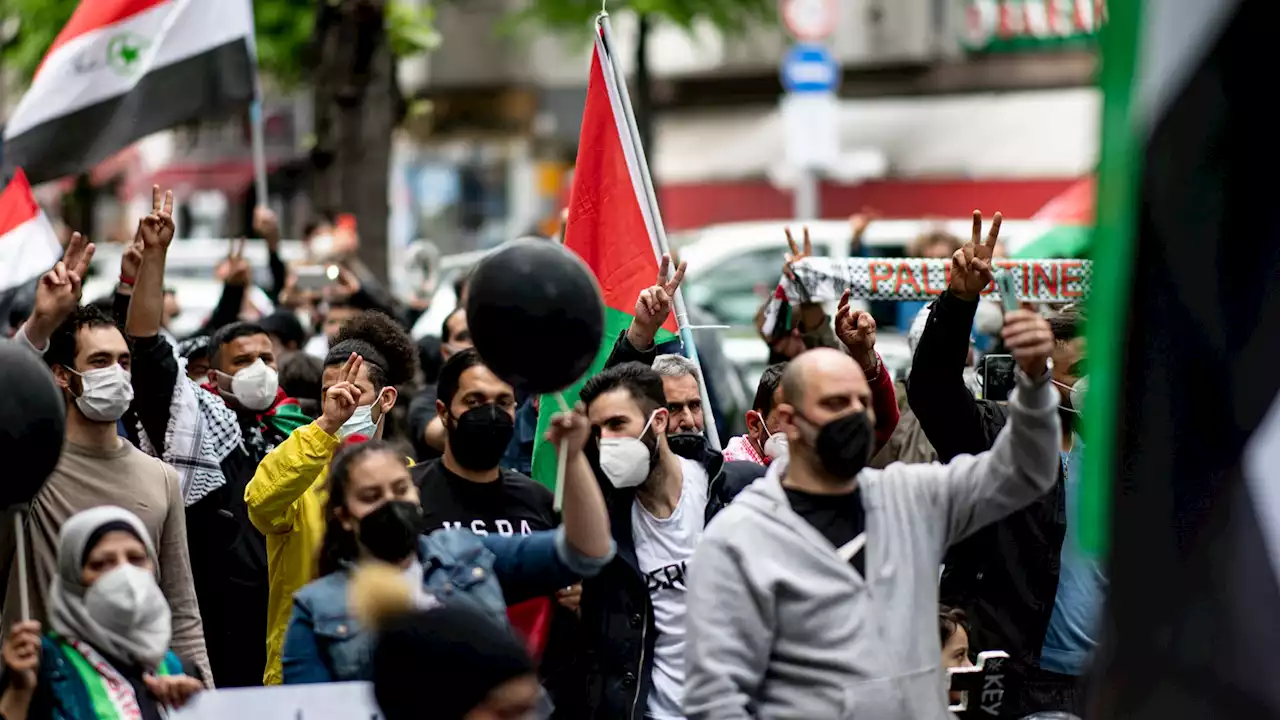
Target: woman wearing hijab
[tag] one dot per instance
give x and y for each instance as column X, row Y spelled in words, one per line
column 107, row 656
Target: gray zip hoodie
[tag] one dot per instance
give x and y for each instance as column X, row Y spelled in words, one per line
column 779, row 626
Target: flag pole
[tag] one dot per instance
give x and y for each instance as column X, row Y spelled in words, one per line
column 259, row 148
column 651, row 197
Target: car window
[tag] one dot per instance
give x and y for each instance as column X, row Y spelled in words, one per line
column 734, row 290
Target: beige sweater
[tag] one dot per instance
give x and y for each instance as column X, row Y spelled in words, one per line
column 137, row 482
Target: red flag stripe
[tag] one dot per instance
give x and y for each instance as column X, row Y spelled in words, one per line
column 606, row 224
column 91, row 15
column 17, row 204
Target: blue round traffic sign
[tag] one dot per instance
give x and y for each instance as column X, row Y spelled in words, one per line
column 810, row 69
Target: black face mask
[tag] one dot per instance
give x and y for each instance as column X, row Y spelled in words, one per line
column 844, row 445
column 480, row 436
column 390, row 532
column 688, row 445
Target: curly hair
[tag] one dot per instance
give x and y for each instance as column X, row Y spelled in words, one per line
column 389, row 354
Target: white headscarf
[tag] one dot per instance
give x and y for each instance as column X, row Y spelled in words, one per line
column 130, row 618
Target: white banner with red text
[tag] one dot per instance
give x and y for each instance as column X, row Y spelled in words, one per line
column 825, row 280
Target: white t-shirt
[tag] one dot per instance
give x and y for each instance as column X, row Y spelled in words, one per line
column 663, row 549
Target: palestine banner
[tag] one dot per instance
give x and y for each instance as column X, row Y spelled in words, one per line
column 123, row 69
column 610, row 227
column 1183, row 419
column 28, row 243
column 825, row 280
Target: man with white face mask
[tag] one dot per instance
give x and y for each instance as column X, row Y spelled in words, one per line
column 659, row 502
column 215, row 434
column 91, row 363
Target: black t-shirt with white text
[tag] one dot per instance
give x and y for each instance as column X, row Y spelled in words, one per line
column 511, row 505
column 840, row 518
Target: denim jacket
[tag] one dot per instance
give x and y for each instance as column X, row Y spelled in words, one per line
column 325, row 643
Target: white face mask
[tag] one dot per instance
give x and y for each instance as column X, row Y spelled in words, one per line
column 127, row 603
column 321, row 245
column 255, row 386
column 1079, row 389
column 1075, row 394
column 361, row 421
column 106, row 393
column 775, row 444
column 626, row 461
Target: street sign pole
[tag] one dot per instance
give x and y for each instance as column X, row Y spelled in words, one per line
column 810, row 76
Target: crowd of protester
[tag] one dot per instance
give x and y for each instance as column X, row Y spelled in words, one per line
column 300, row 493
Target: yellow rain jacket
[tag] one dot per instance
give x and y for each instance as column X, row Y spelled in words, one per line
column 286, row 500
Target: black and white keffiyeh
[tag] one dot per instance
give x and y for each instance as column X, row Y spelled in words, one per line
column 202, row 432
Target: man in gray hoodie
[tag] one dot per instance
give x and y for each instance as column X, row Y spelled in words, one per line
column 815, row 593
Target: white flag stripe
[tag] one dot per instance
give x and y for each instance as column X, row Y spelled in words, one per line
column 1176, row 35
column 27, row 251
column 1261, row 460
column 88, row 69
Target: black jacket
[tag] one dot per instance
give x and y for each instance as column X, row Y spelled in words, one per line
column 228, row 554
column 1005, row 576
column 618, row 631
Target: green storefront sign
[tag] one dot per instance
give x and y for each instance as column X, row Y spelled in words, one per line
column 1032, row 25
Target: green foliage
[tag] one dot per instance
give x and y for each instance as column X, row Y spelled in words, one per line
column 283, row 29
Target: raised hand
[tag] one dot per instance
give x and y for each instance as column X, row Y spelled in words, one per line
column 22, row 654
column 653, row 305
column 58, row 291
column 857, row 330
column 238, row 270
column 971, row 264
column 858, row 224
column 570, row 427
column 1029, row 339
column 156, row 229
column 131, row 261
column 266, row 224
column 342, row 398
column 797, row 253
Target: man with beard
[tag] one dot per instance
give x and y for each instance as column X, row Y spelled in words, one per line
column 681, row 386
column 214, row 434
column 815, row 593
column 467, row 488
column 1024, row 583
column 659, row 502
column 91, row 364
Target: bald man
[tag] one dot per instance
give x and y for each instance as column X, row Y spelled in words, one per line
column 814, row 594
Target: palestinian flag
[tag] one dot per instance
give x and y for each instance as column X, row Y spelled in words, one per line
column 28, row 244
column 1067, row 222
column 1183, row 420
column 611, row 226
column 123, row 69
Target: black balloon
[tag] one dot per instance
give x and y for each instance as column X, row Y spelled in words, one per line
column 33, row 421
column 535, row 315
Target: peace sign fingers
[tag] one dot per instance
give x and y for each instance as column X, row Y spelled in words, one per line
column 155, row 200
column 664, row 264
column 674, row 285
column 351, row 370
column 993, row 235
column 167, row 209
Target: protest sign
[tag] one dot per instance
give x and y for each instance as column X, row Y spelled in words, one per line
column 352, row 700
column 821, row 279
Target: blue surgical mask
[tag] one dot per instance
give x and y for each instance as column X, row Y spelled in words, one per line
column 361, row 421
